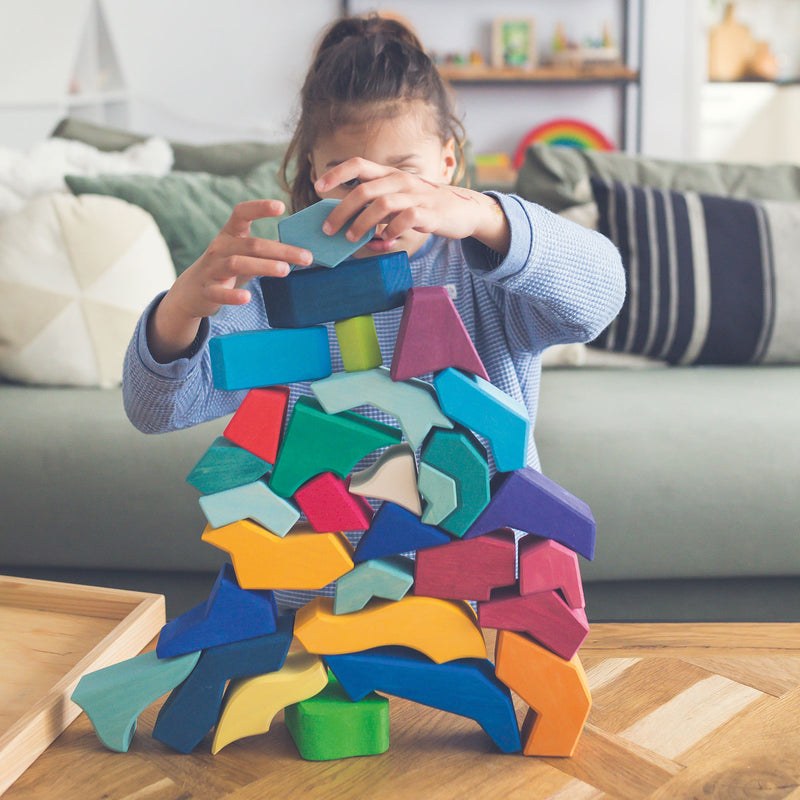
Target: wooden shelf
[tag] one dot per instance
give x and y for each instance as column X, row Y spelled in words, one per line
column 596, row 73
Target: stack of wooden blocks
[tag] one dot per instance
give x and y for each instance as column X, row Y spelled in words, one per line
column 399, row 625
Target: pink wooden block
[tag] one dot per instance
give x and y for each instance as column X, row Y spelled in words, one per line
column 544, row 565
column 432, row 337
column 328, row 505
column 544, row 616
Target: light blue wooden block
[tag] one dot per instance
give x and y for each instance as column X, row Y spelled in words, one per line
column 254, row 501
column 439, row 491
column 266, row 358
column 304, row 229
column 488, row 411
column 411, row 402
column 224, row 466
column 114, row 697
column 389, row 578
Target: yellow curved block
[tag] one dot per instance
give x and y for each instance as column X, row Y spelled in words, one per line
column 251, row 703
column 303, row 559
column 441, row 629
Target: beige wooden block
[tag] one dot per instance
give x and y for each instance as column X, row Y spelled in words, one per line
column 392, row 477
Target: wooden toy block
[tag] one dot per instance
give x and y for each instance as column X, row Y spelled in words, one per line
column 392, row 477
column 393, row 531
column 545, row 565
column 303, row 559
column 458, row 454
column 357, row 287
column 250, row 704
column 330, row 725
column 468, row 688
column 317, row 442
column 530, row 502
column 439, row 492
column 543, row 616
column 252, row 359
column 224, row 466
column 192, row 709
column 329, row 506
column 556, row 691
column 483, row 408
column 252, row 501
column 113, row 697
column 467, row 569
column 388, row 578
column 432, row 336
column 358, row 343
column 442, row 629
column 229, row 614
column 412, row 403
column 304, row 229
column 257, row 424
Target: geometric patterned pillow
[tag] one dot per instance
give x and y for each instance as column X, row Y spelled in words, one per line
column 710, row 280
column 75, row 274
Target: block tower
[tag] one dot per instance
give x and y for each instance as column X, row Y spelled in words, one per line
column 395, row 624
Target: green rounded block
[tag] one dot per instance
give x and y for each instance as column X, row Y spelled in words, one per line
column 330, row 725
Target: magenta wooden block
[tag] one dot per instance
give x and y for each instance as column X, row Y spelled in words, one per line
column 545, row 565
column 432, row 337
column 544, row 616
column 531, row 502
column 329, row 506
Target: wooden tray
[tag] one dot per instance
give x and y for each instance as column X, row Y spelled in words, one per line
column 50, row 635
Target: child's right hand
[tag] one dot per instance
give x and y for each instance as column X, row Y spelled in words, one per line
column 232, row 259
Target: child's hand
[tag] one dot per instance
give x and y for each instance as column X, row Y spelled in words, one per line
column 397, row 201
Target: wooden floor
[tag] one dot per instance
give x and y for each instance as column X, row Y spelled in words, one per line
column 680, row 711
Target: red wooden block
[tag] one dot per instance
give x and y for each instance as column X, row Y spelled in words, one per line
column 432, row 337
column 466, row 569
column 544, row 616
column 328, row 505
column 257, row 424
column 544, row 565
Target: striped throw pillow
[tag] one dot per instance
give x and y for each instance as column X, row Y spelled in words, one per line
column 711, row 280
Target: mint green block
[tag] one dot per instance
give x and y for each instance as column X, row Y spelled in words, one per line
column 439, row 491
column 389, row 578
column 254, row 501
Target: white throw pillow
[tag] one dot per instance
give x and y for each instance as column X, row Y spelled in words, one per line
column 75, row 275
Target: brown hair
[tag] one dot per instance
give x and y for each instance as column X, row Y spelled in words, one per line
column 364, row 66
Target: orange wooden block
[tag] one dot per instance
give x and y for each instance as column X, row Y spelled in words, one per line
column 556, row 691
column 443, row 630
column 303, row 559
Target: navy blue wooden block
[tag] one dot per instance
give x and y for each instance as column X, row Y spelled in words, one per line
column 467, row 686
column 191, row 710
column 229, row 614
column 356, row 287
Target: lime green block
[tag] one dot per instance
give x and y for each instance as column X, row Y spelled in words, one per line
column 358, row 343
column 330, row 725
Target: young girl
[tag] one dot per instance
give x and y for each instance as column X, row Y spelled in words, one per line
column 377, row 130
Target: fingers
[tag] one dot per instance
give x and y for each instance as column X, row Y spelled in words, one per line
column 230, row 255
column 249, row 210
column 220, row 295
column 352, row 169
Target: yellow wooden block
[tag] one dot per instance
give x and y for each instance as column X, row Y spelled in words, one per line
column 358, row 343
column 441, row 629
column 251, row 703
column 303, row 559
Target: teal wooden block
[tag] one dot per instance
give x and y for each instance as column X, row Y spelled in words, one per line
column 252, row 359
column 412, row 402
column 304, row 229
column 486, row 410
column 439, row 492
column 317, row 442
column 254, row 501
column 114, row 697
column 458, row 454
column 225, row 466
column 389, row 578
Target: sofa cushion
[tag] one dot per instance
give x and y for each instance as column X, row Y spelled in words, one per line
column 711, row 280
column 75, row 274
column 190, row 208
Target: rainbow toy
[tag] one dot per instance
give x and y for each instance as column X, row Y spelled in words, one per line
column 566, row 132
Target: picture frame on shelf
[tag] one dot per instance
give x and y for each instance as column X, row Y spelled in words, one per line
column 514, row 43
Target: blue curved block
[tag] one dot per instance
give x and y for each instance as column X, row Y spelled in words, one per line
column 467, row 686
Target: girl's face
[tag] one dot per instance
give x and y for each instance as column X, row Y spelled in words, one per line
column 403, row 141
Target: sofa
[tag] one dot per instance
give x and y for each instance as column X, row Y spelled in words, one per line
column 691, row 468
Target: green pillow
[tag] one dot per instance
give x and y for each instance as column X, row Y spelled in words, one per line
column 190, row 208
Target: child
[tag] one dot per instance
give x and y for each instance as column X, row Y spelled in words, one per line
column 377, row 130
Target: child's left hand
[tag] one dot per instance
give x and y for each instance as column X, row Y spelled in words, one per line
column 397, row 201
